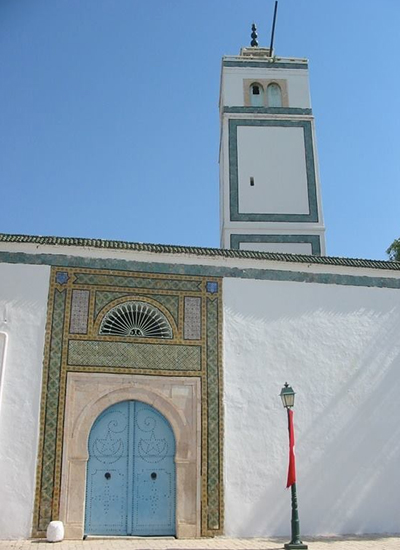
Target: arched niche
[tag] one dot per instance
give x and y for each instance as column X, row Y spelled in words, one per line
column 274, row 95
column 256, row 95
column 178, row 399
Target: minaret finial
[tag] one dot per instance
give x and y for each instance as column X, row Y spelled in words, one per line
column 254, row 42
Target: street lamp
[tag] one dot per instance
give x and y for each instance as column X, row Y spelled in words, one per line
column 287, row 396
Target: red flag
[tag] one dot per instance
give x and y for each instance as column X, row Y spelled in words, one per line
column 291, row 478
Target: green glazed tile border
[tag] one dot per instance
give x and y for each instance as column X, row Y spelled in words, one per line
column 314, row 240
column 268, row 110
column 51, row 385
column 265, row 64
column 235, row 214
column 214, row 485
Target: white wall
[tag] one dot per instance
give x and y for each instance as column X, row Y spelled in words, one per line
column 3, row 351
column 287, row 248
column 23, row 303
column 275, row 158
column 297, row 84
column 339, row 347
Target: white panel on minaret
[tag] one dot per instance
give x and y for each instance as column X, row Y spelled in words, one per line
column 272, row 170
column 289, row 248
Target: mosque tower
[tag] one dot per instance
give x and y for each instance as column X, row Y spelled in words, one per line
column 270, row 197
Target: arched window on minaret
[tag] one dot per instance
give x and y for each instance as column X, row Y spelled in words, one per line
column 256, row 95
column 274, row 95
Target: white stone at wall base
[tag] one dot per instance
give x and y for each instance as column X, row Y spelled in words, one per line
column 55, row 531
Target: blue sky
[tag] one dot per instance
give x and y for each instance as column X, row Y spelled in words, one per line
column 109, row 121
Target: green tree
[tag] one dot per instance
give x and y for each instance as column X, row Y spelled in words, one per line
column 394, row 251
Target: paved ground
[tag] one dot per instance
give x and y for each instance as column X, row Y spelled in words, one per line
column 371, row 542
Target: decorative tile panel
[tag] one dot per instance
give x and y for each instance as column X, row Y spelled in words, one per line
column 79, row 312
column 62, row 277
column 192, row 323
column 135, row 282
column 169, row 302
column 49, row 414
column 76, row 297
column 214, row 418
column 212, row 287
column 102, row 298
column 134, row 356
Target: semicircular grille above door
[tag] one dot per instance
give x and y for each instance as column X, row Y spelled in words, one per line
column 136, row 319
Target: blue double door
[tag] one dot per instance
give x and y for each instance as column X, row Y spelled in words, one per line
column 130, row 487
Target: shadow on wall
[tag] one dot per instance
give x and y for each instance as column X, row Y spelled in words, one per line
column 3, row 351
column 348, row 472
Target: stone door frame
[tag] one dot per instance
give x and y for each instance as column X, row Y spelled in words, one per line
column 177, row 398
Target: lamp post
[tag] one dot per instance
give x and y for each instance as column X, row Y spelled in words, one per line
column 287, row 396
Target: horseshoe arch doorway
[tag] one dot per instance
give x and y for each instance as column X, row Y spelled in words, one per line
column 131, row 481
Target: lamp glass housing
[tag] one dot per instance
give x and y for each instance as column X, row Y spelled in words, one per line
column 287, row 396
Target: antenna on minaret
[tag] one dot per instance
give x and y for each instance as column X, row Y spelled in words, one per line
column 254, row 42
column 273, row 29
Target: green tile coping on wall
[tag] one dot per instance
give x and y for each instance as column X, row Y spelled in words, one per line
column 65, row 259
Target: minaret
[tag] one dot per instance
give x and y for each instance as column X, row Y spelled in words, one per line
column 269, row 184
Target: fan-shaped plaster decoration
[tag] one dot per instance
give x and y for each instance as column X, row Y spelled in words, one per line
column 136, row 319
